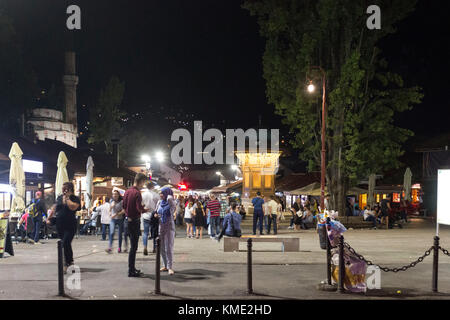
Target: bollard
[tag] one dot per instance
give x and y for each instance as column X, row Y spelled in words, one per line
column 435, row 264
column 341, row 265
column 158, row 267
column 328, row 256
column 249, row 267
column 60, row 270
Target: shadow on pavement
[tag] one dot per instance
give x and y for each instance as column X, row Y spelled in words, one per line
column 187, row 275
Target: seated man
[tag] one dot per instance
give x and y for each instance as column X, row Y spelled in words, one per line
column 231, row 224
column 370, row 215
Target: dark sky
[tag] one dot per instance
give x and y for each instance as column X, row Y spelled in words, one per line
column 202, row 59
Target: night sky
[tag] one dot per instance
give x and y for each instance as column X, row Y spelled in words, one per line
column 202, row 59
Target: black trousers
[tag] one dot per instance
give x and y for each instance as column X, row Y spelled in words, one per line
column 66, row 234
column 134, row 231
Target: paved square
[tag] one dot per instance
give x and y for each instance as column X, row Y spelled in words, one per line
column 204, row 271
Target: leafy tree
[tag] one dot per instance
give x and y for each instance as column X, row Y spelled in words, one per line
column 362, row 94
column 104, row 119
column 18, row 84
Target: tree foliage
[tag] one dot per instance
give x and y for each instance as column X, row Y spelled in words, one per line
column 105, row 116
column 362, row 94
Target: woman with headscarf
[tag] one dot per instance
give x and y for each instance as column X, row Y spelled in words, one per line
column 166, row 209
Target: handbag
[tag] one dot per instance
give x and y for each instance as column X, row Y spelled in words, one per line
column 236, row 232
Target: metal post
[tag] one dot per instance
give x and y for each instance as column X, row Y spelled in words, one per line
column 323, row 151
column 158, row 267
column 60, row 270
column 341, row 265
column 328, row 255
column 435, row 264
column 249, row 267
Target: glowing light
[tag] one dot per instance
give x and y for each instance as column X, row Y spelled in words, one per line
column 311, row 88
column 159, row 156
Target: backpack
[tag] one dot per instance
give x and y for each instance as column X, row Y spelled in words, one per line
column 32, row 210
column 236, row 232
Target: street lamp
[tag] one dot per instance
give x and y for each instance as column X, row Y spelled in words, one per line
column 159, row 156
column 311, row 89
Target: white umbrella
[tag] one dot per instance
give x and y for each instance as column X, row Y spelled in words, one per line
column 17, row 180
column 61, row 175
column 371, row 192
column 89, row 182
column 407, row 184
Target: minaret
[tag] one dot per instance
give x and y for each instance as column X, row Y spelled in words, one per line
column 70, row 81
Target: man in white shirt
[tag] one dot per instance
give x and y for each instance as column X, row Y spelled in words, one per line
column 272, row 214
column 369, row 215
column 150, row 217
column 104, row 211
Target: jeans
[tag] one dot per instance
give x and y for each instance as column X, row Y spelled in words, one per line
column 258, row 215
column 154, row 231
column 372, row 219
column 167, row 236
column 112, row 230
column 266, row 222
column 272, row 219
column 146, row 232
column 104, row 227
column 37, row 228
column 134, row 230
column 215, row 225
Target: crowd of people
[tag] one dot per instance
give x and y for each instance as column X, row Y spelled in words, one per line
column 155, row 215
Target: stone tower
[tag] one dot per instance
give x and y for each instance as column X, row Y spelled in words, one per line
column 70, row 81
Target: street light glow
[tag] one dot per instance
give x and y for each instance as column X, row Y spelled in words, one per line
column 146, row 158
column 311, row 88
column 159, row 156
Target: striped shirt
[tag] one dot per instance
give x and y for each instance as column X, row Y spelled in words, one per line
column 214, row 208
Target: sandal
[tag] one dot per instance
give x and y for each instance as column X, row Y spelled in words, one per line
column 171, row 272
column 163, row 269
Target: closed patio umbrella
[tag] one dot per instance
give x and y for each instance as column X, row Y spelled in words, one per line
column 371, row 192
column 61, row 175
column 407, row 184
column 89, row 182
column 17, row 180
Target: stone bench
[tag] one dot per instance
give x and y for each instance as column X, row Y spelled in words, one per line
column 288, row 244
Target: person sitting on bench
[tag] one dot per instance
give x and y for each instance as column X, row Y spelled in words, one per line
column 231, row 224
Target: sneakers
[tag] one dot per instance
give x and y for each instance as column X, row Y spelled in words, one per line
column 135, row 274
column 163, row 269
column 119, row 250
column 108, row 250
column 171, row 272
column 145, row 252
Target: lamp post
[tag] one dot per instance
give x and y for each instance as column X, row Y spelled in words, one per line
column 311, row 89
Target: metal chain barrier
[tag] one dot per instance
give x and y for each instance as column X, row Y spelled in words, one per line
column 444, row 251
column 385, row 269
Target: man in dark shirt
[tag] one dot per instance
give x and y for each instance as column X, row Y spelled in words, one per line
column 385, row 205
column 37, row 218
column 258, row 212
column 132, row 204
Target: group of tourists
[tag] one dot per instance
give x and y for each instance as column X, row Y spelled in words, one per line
column 268, row 212
column 382, row 214
column 303, row 214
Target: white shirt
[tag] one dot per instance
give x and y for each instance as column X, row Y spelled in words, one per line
column 188, row 212
column 368, row 213
column 104, row 211
column 149, row 201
